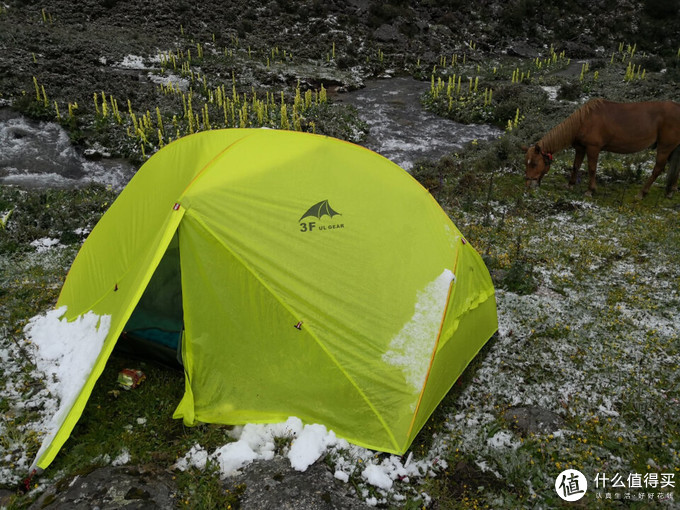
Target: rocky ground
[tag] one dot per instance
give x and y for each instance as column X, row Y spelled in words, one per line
column 262, row 485
column 77, row 49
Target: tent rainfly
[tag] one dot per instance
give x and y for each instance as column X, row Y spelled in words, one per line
column 297, row 275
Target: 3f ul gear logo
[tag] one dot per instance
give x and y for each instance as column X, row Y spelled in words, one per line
column 319, row 211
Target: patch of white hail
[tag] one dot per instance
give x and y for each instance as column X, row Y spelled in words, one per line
column 411, row 349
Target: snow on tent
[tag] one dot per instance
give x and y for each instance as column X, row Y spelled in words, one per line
column 301, row 275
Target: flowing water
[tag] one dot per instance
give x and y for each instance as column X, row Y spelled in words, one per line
column 401, row 129
column 40, row 155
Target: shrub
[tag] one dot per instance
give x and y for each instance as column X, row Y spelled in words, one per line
column 517, row 95
column 520, row 278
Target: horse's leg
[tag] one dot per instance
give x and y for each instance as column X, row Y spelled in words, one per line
column 661, row 158
column 593, row 153
column 578, row 159
column 673, row 172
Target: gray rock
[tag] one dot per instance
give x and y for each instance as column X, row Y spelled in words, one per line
column 576, row 49
column 275, row 485
column 263, row 485
column 388, row 33
column 522, row 49
column 533, row 420
column 109, row 488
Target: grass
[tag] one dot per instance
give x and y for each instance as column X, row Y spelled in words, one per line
column 192, row 94
column 587, row 290
column 592, row 339
column 590, row 344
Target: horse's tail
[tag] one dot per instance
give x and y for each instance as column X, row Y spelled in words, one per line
column 673, row 171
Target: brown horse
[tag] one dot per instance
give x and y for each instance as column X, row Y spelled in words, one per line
column 623, row 128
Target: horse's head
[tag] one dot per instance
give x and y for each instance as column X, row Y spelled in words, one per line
column 537, row 165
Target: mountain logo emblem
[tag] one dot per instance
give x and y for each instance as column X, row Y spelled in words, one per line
column 319, row 210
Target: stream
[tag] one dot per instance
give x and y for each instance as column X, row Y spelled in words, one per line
column 36, row 154
column 401, row 129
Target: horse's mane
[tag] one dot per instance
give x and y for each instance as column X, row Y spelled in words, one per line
column 561, row 136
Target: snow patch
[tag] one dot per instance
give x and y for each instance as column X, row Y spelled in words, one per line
column 66, row 353
column 122, row 459
column 377, row 476
column 310, row 446
column 411, row 350
column 44, row 244
column 256, row 442
column 341, row 475
column 196, row 457
column 310, row 443
column 132, row 62
column 233, row 456
column 551, row 91
column 503, row 439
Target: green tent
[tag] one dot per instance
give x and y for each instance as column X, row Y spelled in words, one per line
column 295, row 275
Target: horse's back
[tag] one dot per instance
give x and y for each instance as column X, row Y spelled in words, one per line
column 652, row 109
column 631, row 127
